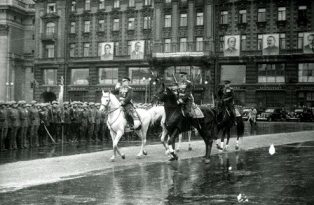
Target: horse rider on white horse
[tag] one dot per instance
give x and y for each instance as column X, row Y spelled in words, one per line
column 125, row 97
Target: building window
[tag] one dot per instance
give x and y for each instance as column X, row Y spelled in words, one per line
column 167, row 45
column 116, row 4
column 73, row 6
column 183, row 45
column 242, row 16
column 281, row 13
column 72, row 50
column 300, row 40
column 131, row 22
column 199, row 18
column 50, row 76
column 199, row 44
column 147, row 22
column 167, row 1
column 282, row 41
column 147, row 2
column 101, row 25
column 138, row 75
column 50, row 51
column 302, row 10
column 116, row 24
column 221, row 43
column 101, row 4
column 50, row 28
column 183, row 19
column 243, row 42
column 224, row 17
column 72, row 28
column 306, row 72
column 167, row 20
column 271, row 73
column 86, row 49
column 116, row 48
column 148, row 46
column 235, row 73
column 131, row 3
column 87, row 4
column 86, row 26
column 51, row 8
column 108, row 76
column 79, row 76
column 261, row 16
column 259, row 41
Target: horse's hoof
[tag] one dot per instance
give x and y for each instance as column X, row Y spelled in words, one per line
column 112, row 159
column 167, row 152
column 178, row 150
column 237, row 147
column 173, row 159
column 218, row 147
column 190, row 148
column 123, row 156
column 144, row 153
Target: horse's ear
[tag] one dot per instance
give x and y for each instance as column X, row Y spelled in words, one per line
column 103, row 92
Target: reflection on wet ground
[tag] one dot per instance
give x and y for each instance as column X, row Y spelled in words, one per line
column 70, row 149
column 284, row 178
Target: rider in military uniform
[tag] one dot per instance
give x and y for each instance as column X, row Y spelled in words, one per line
column 185, row 96
column 125, row 97
column 227, row 98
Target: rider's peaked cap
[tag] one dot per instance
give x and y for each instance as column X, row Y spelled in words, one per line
column 183, row 73
column 227, row 81
column 126, row 78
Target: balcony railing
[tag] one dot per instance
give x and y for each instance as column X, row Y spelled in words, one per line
column 48, row 36
column 17, row 3
column 203, row 46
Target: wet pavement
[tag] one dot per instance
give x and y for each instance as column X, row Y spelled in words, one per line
column 284, row 178
column 71, row 149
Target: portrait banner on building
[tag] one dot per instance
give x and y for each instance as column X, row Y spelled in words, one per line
column 232, row 45
column 308, row 42
column 271, row 44
column 106, row 51
column 137, row 49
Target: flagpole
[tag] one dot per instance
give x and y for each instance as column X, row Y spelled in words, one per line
column 60, row 100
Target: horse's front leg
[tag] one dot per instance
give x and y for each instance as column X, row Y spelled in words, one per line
column 115, row 144
column 171, row 144
column 142, row 134
column 113, row 136
column 208, row 151
column 179, row 143
column 162, row 138
column 189, row 140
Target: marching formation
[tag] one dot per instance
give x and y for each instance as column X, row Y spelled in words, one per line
column 25, row 125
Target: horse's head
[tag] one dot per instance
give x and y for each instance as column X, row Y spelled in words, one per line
column 108, row 100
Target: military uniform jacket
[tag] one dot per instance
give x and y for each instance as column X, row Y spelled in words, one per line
column 34, row 117
column 92, row 116
column 24, row 117
column 84, row 117
column 14, row 116
column 56, row 115
column 125, row 95
column 3, row 118
column 185, row 91
column 228, row 95
column 67, row 116
column 98, row 117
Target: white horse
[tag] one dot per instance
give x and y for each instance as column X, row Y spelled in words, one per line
column 117, row 123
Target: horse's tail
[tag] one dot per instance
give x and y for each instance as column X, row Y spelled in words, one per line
column 157, row 113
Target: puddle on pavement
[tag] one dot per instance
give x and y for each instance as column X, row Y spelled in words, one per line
column 283, row 178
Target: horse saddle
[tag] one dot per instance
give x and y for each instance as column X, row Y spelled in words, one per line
column 196, row 112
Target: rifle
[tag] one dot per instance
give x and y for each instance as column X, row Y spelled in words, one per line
column 174, row 77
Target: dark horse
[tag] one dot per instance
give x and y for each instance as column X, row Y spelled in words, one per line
column 226, row 122
column 177, row 123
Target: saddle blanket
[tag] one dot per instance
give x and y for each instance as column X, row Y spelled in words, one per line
column 196, row 112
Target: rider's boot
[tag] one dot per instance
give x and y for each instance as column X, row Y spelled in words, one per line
column 137, row 125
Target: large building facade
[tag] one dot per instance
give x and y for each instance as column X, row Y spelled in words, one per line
column 262, row 49
column 94, row 43
column 260, row 46
column 16, row 49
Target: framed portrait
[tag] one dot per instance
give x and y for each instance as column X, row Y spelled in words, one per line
column 106, row 51
column 270, row 44
column 137, row 49
column 308, row 42
column 232, row 45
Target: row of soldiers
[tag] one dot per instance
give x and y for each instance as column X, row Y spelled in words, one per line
column 24, row 125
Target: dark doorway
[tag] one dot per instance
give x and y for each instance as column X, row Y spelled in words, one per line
column 48, row 96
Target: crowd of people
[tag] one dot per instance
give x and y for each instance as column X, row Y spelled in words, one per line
column 25, row 125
